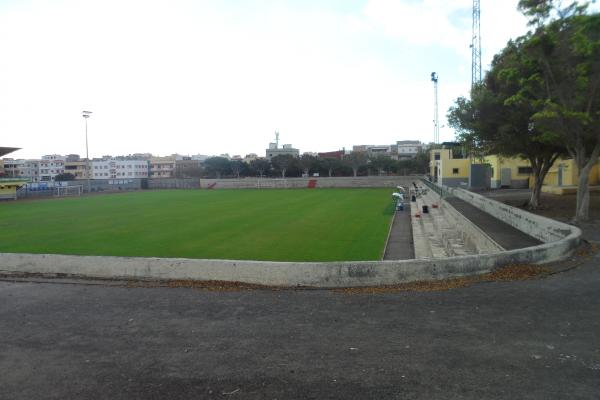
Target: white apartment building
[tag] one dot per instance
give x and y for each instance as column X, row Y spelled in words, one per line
column 50, row 166
column 409, row 148
column 119, row 169
column 25, row 169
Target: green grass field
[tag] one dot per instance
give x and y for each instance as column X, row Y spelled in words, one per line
column 283, row 225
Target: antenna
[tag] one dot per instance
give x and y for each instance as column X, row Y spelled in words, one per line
column 476, row 45
column 436, row 124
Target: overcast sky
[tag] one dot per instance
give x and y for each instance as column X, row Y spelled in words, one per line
column 221, row 76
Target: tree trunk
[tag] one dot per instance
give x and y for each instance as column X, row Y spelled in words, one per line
column 534, row 200
column 330, row 172
column 582, row 211
column 355, row 171
column 283, row 173
column 540, row 171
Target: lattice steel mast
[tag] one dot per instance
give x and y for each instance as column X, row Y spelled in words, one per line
column 476, row 45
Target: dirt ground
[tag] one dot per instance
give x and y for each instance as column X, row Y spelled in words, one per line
column 553, row 206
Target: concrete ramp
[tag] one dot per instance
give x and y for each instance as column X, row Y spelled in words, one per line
column 502, row 233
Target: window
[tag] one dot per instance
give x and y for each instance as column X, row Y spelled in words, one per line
column 455, row 171
column 436, row 156
column 525, row 170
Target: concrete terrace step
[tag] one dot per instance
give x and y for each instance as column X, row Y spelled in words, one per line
column 441, row 236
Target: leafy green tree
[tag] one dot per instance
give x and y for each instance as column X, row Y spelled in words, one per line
column 329, row 165
column 307, row 162
column 64, row 177
column 237, row 167
column 568, row 49
column 355, row 160
column 260, row 165
column 218, row 166
column 498, row 118
column 282, row 163
column 382, row 164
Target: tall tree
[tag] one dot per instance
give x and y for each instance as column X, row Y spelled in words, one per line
column 307, row 162
column 218, row 166
column 382, row 164
column 260, row 165
column 498, row 118
column 282, row 162
column 568, row 48
column 329, row 164
column 237, row 166
column 355, row 160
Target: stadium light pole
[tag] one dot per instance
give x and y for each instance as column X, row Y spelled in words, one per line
column 86, row 115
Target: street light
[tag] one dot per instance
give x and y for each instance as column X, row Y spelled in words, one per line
column 86, row 115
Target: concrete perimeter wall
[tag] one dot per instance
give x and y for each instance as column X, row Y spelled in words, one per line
column 561, row 240
column 321, row 182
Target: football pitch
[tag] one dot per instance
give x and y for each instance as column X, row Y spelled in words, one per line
column 277, row 225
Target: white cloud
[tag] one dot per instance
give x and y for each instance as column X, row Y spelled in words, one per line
column 186, row 76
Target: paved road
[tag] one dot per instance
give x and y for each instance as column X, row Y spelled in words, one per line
column 521, row 340
column 502, row 233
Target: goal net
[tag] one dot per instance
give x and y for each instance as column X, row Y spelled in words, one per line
column 62, row 191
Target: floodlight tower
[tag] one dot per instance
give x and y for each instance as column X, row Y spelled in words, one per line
column 86, row 115
column 476, row 44
column 436, row 119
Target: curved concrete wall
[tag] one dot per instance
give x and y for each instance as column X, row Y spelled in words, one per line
column 544, row 229
column 561, row 240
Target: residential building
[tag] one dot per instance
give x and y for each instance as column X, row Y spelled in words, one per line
column 338, row 155
column 408, row 148
column 50, row 166
column 76, row 168
column 186, row 167
column 448, row 167
column 274, row 150
column 162, row 167
column 376, row 150
column 119, row 168
column 250, row 157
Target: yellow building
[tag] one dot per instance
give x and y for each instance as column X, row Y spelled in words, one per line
column 9, row 186
column 516, row 172
column 509, row 172
column 563, row 177
column 76, row 168
column 447, row 169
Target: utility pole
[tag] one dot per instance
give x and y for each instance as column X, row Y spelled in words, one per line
column 86, row 115
column 476, row 45
column 436, row 119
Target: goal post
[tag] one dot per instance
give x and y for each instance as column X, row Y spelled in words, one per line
column 63, row 191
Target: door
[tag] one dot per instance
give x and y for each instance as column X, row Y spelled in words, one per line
column 505, row 177
column 560, row 174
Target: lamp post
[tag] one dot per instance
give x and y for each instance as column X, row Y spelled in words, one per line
column 86, row 115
